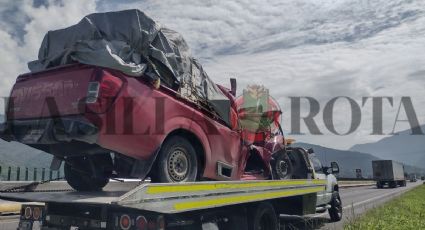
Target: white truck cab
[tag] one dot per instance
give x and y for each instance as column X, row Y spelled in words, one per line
column 328, row 199
column 304, row 164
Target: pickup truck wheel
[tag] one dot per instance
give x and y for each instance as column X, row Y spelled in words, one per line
column 335, row 212
column 281, row 166
column 176, row 162
column 78, row 173
column 262, row 217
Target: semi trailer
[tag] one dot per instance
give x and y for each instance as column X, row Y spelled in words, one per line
column 388, row 172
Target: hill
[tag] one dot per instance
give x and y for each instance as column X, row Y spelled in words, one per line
column 349, row 160
column 402, row 147
column 16, row 154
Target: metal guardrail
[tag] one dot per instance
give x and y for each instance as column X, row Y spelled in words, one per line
column 16, row 173
column 354, row 179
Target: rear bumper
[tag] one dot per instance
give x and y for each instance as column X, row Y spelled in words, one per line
column 49, row 131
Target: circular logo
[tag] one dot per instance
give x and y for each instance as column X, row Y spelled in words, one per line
column 258, row 111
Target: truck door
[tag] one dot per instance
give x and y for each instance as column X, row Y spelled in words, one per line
column 325, row 196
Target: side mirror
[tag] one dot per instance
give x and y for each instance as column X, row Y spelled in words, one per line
column 310, row 151
column 334, row 167
column 233, row 86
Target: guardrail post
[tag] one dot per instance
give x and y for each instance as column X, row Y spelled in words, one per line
column 18, row 174
column 26, row 173
column 43, row 174
column 50, row 175
column 9, row 173
column 35, row 174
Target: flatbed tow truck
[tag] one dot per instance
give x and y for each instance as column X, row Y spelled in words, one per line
column 142, row 205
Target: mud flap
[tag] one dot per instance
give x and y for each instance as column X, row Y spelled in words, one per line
column 141, row 168
column 56, row 163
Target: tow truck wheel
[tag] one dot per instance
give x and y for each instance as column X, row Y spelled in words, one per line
column 262, row 217
column 79, row 172
column 176, row 162
column 335, row 212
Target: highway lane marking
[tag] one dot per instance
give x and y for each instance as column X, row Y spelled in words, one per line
column 368, row 200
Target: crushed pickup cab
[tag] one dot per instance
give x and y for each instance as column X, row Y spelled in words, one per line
column 118, row 95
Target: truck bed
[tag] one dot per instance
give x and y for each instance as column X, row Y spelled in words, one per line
column 169, row 198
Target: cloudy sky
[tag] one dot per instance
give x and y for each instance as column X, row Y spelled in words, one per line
column 317, row 48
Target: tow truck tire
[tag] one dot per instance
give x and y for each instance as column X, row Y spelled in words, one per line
column 176, row 162
column 335, row 212
column 262, row 217
column 81, row 178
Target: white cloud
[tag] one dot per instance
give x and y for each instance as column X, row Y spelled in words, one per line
column 22, row 38
column 320, row 48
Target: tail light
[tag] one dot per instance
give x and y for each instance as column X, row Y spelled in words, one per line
column 32, row 212
column 27, row 212
column 102, row 92
column 133, row 222
column 141, row 223
column 160, row 223
column 125, row 222
column 36, row 213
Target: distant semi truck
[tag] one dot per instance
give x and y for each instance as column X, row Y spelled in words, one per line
column 388, row 172
column 412, row 177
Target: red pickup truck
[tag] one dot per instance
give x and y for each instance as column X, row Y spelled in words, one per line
column 103, row 124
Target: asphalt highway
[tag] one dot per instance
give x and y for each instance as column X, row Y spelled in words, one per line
column 355, row 200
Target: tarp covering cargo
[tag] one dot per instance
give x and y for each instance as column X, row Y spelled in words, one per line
column 135, row 44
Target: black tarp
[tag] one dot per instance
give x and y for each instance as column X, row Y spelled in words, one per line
column 135, row 44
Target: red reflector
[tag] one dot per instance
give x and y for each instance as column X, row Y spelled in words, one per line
column 125, row 222
column 141, row 223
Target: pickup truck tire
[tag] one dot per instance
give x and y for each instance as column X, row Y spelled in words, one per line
column 335, row 212
column 81, row 178
column 262, row 217
column 281, row 166
column 176, row 162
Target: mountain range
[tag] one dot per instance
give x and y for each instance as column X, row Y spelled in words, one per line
column 403, row 147
column 16, row 154
column 349, row 161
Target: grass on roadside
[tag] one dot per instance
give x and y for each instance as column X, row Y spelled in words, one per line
column 404, row 212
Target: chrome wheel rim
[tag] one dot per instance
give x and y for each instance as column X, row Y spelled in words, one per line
column 282, row 168
column 178, row 165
